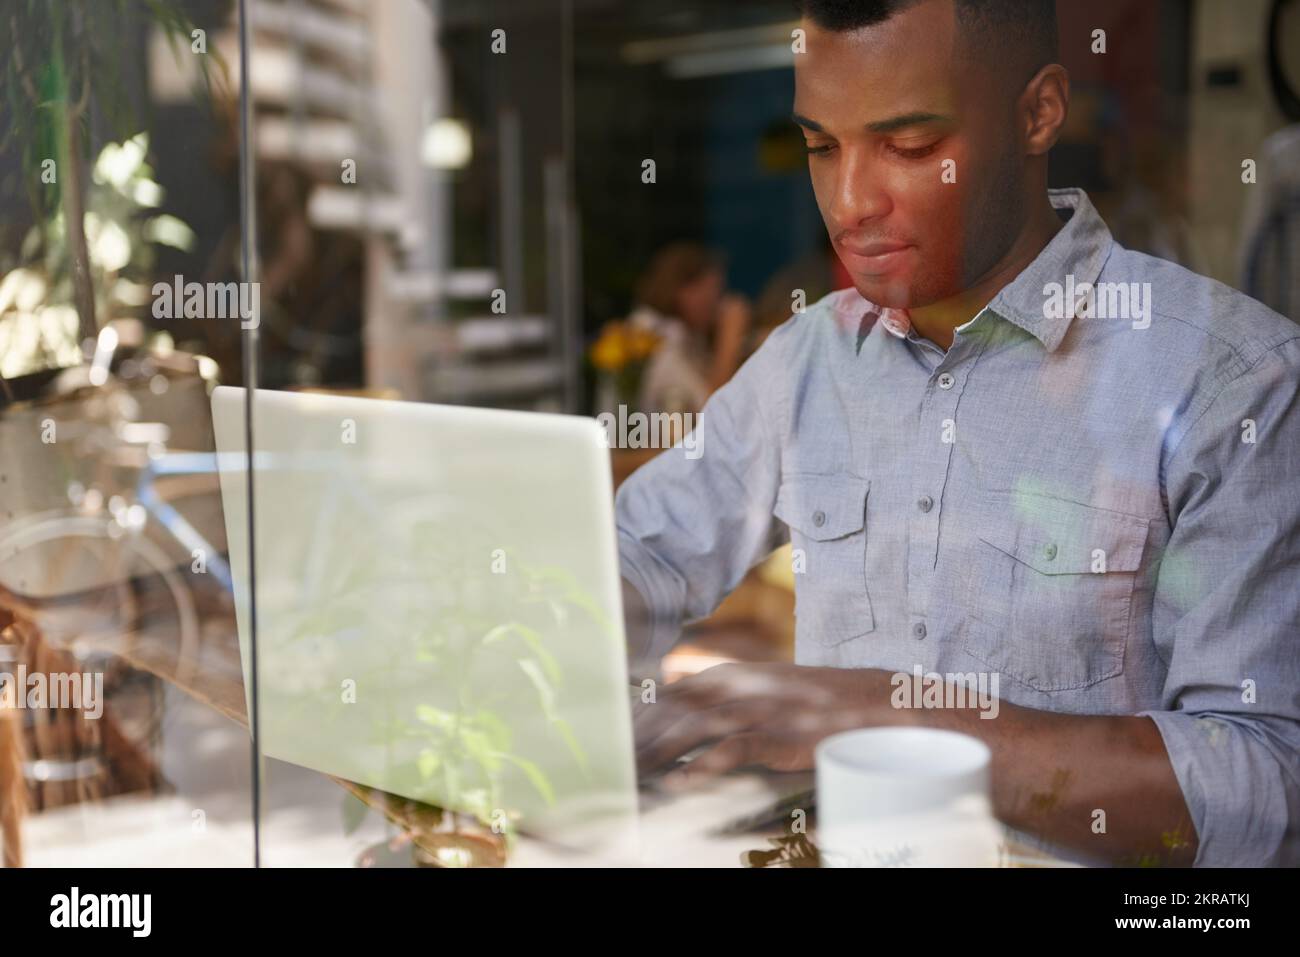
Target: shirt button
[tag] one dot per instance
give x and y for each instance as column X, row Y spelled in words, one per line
column 1050, row 552
column 925, row 503
column 918, row 630
column 946, row 380
column 819, row 518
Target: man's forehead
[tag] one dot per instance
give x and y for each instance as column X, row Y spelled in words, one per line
column 877, row 101
column 903, row 65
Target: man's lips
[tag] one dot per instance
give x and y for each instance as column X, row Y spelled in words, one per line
column 879, row 257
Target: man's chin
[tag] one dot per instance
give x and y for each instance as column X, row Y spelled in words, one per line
column 890, row 294
column 903, row 292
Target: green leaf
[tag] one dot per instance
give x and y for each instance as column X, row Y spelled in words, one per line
column 442, row 720
column 477, row 802
column 480, row 749
column 545, row 693
column 534, row 774
column 571, row 742
column 428, row 763
column 534, row 642
column 496, row 730
column 546, row 698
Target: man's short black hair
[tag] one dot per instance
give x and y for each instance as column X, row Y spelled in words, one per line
column 1020, row 32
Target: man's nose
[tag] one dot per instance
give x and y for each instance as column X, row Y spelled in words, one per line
column 860, row 195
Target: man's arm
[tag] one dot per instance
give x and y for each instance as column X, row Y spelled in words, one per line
column 639, row 624
column 695, row 518
column 1053, row 773
column 1226, row 616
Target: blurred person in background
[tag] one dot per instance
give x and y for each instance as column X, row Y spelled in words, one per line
column 682, row 300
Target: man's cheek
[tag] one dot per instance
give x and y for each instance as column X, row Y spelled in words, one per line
column 940, row 213
column 941, row 234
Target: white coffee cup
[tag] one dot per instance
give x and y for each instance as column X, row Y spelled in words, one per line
column 905, row 797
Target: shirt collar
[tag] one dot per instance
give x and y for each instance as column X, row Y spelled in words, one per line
column 1079, row 249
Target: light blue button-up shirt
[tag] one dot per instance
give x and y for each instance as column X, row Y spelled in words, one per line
column 1094, row 493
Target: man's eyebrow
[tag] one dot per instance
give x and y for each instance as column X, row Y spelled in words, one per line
column 905, row 120
column 893, row 124
column 807, row 123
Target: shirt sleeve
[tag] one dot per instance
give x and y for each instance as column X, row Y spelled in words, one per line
column 693, row 520
column 1227, row 617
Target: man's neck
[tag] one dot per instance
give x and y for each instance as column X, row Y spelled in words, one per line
column 938, row 320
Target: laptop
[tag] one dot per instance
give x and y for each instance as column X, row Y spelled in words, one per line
column 438, row 608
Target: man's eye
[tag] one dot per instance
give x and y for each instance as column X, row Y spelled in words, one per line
column 915, row 152
column 816, row 150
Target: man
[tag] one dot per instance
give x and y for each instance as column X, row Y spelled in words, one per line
column 1014, row 449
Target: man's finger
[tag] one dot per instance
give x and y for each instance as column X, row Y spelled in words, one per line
column 738, row 751
column 690, row 729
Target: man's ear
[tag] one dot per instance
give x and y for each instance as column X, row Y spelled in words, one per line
column 1043, row 107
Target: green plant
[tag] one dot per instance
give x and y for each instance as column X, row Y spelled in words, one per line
column 427, row 599
column 63, row 63
column 122, row 228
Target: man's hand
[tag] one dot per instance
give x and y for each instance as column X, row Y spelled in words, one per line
column 770, row 715
column 1051, row 771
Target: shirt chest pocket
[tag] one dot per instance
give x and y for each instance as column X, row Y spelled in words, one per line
column 1050, row 593
column 827, row 516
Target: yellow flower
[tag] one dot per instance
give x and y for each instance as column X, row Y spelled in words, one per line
column 609, row 352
